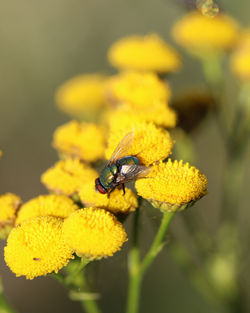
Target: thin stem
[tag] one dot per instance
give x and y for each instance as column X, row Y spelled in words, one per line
column 137, row 269
column 133, row 267
column 158, row 242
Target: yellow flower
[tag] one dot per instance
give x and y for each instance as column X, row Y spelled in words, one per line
column 94, row 233
column 160, row 115
column 36, row 247
column 240, row 59
column 146, row 53
column 82, row 96
column 47, row 205
column 9, row 205
column 1, row 153
column 139, row 89
column 67, row 176
column 202, row 34
column 81, row 140
column 172, row 186
column 150, row 143
column 116, row 203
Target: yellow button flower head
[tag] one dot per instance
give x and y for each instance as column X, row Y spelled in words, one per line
column 160, row 115
column 150, row 143
column 94, row 233
column 172, row 185
column 84, row 141
column 1, row 153
column 240, row 59
column 36, row 247
column 116, row 203
column 144, row 53
column 52, row 205
column 82, row 96
column 67, row 176
column 139, row 89
column 9, row 204
column 202, row 34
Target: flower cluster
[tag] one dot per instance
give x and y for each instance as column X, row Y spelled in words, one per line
column 74, row 219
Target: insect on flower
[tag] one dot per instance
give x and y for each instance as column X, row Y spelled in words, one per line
column 121, row 168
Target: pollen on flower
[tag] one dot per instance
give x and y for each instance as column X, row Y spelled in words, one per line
column 94, row 233
column 82, row 95
column 46, row 205
column 139, row 89
column 144, row 53
column 36, row 247
column 66, row 176
column 172, row 184
column 159, row 114
column 150, row 143
column 205, row 34
column 9, row 205
column 84, row 141
column 116, row 203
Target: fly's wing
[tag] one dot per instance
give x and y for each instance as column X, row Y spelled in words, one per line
column 122, row 148
column 132, row 172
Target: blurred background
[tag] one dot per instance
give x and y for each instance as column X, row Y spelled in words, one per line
column 44, row 43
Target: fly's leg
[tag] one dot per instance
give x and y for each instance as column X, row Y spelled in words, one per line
column 113, row 188
column 123, row 188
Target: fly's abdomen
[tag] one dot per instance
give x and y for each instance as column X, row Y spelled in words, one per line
column 128, row 160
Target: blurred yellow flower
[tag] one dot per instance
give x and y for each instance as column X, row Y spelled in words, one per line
column 240, row 59
column 66, row 176
column 172, row 186
column 116, row 203
column 84, row 141
column 144, row 53
column 202, row 34
column 9, row 205
column 47, row 205
column 160, row 115
column 139, row 89
column 94, row 233
column 36, row 247
column 1, row 153
column 82, row 96
column 150, row 143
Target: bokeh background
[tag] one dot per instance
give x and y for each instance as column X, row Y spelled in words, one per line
column 44, row 43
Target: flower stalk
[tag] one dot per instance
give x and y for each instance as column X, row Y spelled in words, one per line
column 138, row 268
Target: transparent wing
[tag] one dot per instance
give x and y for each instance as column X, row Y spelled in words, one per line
column 122, row 148
column 132, row 172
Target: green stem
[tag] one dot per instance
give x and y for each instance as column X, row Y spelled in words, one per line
column 137, row 269
column 158, row 242
column 4, row 304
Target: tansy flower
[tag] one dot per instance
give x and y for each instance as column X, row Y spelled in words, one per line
column 47, row 205
column 150, row 143
column 82, row 96
column 84, row 141
column 9, row 205
column 172, row 186
column 67, row 176
column 99, row 234
column 116, row 203
column 1, row 153
column 144, row 53
column 36, row 247
column 139, row 90
column 160, row 115
column 240, row 59
column 202, row 34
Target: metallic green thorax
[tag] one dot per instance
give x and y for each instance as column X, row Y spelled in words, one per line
column 108, row 175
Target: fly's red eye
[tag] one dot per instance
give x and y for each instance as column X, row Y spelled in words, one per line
column 98, row 187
